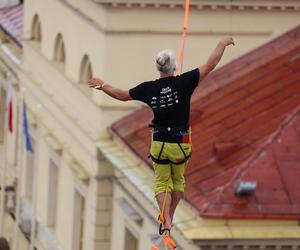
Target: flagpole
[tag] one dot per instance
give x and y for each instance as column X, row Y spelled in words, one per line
column 35, row 180
column 4, row 158
column 19, row 171
column 2, row 196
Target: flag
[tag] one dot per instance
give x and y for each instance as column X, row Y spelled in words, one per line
column 9, row 110
column 25, row 129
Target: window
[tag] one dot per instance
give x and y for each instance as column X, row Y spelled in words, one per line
column 29, row 173
column 130, row 242
column 36, row 33
column 2, row 113
column 86, row 73
column 78, row 220
column 53, row 186
column 59, row 50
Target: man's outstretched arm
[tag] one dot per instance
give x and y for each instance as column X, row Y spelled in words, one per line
column 119, row 94
column 215, row 57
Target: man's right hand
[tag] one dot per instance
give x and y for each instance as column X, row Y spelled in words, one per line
column 96, row 83
column 227, row 40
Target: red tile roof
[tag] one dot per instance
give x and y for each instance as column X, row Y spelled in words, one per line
column 246, row 126
column 11, row 21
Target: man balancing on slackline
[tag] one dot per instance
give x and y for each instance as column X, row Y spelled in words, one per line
column 169, row 98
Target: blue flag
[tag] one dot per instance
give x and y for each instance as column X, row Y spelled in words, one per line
column 25, row 129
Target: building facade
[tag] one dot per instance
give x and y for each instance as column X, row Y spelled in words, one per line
column 70, row 184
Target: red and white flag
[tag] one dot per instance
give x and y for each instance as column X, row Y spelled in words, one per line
column 9, row 109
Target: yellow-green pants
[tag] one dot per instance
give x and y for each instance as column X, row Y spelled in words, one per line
column 170, row 176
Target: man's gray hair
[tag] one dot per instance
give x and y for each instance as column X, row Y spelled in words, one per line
column 166, row 61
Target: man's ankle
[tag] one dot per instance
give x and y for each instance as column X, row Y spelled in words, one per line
column 168, row 224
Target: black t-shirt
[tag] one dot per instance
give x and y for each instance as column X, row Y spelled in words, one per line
column 169, row 98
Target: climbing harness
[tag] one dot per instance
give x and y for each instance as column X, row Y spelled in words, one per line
column 168, row 161
column 171, row 135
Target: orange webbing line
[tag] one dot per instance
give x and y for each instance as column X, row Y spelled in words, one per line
column 184, row 35
column 181, row 55
column 161, row 216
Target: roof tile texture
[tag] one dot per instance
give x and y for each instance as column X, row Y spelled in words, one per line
column 11, row 20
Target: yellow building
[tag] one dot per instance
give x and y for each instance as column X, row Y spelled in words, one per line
column 74, row 184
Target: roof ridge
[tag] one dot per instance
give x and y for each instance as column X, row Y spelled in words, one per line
column 264, row 146
column 206, row 4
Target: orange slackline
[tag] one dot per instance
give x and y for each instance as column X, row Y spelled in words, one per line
column 168, row 242
column 161, row 215
column 181, row 56
column 180, row 65
column 184, row 35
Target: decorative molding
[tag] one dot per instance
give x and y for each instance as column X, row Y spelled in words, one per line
column 54, row 143
column 79, row 170
column 269, row 5
column 47, row 237
column 191, row 32
column 129, row 210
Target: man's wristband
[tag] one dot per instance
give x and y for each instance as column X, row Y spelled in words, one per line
column 100, row 86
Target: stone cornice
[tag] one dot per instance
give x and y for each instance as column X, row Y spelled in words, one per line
column 270, row 5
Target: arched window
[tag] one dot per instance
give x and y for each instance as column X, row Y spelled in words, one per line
column 59, row 49
column 36, row 32
column 86, row 71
